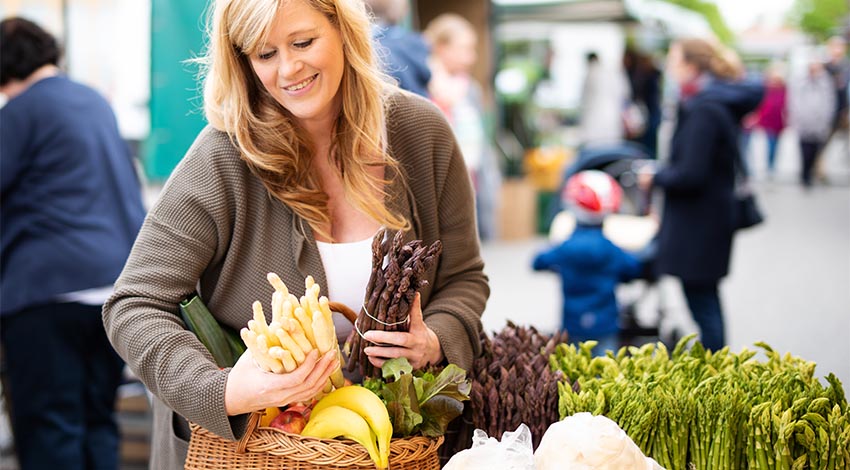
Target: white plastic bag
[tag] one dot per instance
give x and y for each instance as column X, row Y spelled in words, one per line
column 586, row 442
column 513, row 452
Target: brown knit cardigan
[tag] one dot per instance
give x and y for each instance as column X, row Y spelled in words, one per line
column 216, row 228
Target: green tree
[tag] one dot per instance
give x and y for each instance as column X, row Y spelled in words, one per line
column 819, row 18
column 708, row 9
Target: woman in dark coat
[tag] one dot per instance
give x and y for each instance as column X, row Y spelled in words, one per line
column 695, row 238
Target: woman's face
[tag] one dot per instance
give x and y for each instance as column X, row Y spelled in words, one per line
column 458, row 56
column 678, row 69
column 302, row 63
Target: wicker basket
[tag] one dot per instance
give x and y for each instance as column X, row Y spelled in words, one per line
column 269, row 448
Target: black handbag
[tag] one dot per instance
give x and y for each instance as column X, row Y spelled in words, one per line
column 747, row 212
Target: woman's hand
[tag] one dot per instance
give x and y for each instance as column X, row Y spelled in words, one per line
column 249, row 388
column 420, row 345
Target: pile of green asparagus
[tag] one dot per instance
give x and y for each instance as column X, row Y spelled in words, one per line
column 697, row 409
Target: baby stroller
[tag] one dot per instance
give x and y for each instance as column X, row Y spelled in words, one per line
column 644, row 303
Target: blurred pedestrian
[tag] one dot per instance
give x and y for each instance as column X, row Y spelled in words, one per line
column 453, row 44
column 811, row 112
column 770, row 115
column 838, row 68
column 404, row 53
column 645, row 84
column 309, row 154
column 604, row 99
column 695, row 237
column 590, row 265
column 71, row 209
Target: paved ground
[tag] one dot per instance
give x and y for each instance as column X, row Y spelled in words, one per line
column 790, row 280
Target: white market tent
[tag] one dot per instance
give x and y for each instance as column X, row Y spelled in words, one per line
column 575, row 27
column 675, row 20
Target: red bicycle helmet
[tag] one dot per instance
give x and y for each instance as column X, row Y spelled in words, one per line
column 592, row 194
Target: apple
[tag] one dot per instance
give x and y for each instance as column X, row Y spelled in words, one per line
column 289, row 421
column 301, row 408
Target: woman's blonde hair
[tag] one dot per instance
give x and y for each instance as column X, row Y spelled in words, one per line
column 275, row 148
column 707, row 57
column 445, row 27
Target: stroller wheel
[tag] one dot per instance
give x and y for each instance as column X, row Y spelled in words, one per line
column 631, row 330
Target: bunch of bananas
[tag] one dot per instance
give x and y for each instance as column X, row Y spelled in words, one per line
column 355, row 413
column 298, row 326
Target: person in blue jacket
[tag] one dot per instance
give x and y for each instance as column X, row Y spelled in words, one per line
column 589, row 264
column 71, row 209
column 403, row 53
column 697, row 223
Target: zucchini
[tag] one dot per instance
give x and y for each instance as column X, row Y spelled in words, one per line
column 237, row 346
column 200, row 321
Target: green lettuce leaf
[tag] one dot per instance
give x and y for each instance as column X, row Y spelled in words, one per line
column 437, row 413
column 451, row 382
column 400, row 398
column 396, row 367
column 420, row 402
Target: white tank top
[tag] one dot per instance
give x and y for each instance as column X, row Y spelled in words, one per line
column 347, row 269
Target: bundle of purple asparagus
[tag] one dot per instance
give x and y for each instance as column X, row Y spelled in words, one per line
column 512, row 382
column 390, row 292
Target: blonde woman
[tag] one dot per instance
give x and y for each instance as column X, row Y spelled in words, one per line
column 308, row 154
column 454, row 44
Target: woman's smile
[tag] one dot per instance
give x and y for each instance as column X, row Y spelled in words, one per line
column 302, row 84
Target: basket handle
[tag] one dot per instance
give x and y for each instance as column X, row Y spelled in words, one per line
column 254, row 418
column 253, row 424
column 349, row 314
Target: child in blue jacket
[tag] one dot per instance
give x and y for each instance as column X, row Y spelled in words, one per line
column 589, row 264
